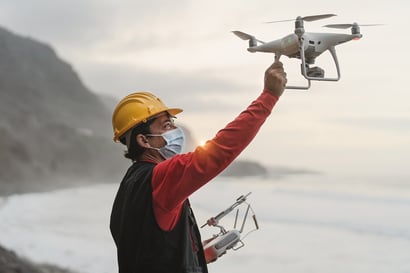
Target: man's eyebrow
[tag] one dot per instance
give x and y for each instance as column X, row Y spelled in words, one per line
column 167, row 119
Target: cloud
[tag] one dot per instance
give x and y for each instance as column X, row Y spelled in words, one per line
column 184, row 52
column 175, row 88
column 81, row 22
column 382, row 123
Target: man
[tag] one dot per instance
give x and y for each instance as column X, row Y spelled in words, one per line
column 152, row 223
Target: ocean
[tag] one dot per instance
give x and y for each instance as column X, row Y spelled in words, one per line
column 306, row 224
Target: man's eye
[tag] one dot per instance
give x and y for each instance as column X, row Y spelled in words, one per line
column 168, row 124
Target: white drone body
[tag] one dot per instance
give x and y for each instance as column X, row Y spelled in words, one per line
column 305, row 46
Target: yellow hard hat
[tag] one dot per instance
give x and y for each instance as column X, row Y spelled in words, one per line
column 136, row 108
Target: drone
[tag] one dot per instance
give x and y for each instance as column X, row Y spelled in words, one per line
column 306, row 46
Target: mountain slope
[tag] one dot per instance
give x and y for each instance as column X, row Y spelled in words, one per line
column 52, row 128
column 35, row 82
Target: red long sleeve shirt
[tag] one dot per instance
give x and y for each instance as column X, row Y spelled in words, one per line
column 174, row 180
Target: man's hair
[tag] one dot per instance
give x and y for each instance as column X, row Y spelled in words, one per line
column 134, row 151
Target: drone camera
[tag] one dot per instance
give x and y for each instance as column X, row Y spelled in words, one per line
column 316, row 72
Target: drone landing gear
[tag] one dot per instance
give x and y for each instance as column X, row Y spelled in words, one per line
column 315, row 73
column 298, row 87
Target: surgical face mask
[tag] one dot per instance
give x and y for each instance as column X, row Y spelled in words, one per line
column 174, row 140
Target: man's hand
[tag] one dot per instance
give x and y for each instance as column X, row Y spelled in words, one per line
column 275, row 79
column 210, row 253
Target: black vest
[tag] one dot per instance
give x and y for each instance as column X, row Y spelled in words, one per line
column 142, row 246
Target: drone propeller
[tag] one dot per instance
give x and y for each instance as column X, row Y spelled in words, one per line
column 344, row 26
column 306, row 18
column 245, row 36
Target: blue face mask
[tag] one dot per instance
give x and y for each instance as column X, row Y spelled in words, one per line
column 174, row 142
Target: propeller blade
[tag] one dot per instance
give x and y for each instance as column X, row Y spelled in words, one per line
column 344, row 26
column 306, row 18
column 339, row 26
column 280, row 21
column 370, row 25
column 246, row 36
column 242, row 35
column 317, row 17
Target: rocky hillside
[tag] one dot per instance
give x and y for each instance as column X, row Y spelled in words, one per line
column 53, row 130
column 12, row 263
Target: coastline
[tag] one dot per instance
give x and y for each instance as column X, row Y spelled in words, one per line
column 359, row 222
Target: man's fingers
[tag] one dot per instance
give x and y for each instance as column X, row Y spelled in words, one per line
column 276, row 64
column 275, row 78
column 277, row 72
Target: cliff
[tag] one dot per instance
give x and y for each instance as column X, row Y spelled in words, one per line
column 53, row 130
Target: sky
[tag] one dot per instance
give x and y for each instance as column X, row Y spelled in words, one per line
column 184, row 51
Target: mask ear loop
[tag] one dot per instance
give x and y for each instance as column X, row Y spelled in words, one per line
column 156, row 135
column 130, row 137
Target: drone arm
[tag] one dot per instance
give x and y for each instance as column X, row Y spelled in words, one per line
column 298, row 87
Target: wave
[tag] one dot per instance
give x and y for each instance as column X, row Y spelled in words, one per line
column 70, row 227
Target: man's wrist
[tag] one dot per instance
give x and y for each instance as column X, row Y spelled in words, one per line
column 270, row 92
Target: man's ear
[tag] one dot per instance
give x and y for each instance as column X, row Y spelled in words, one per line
column 142, row 141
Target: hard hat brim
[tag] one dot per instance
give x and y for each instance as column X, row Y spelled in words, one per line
column 174, row 111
